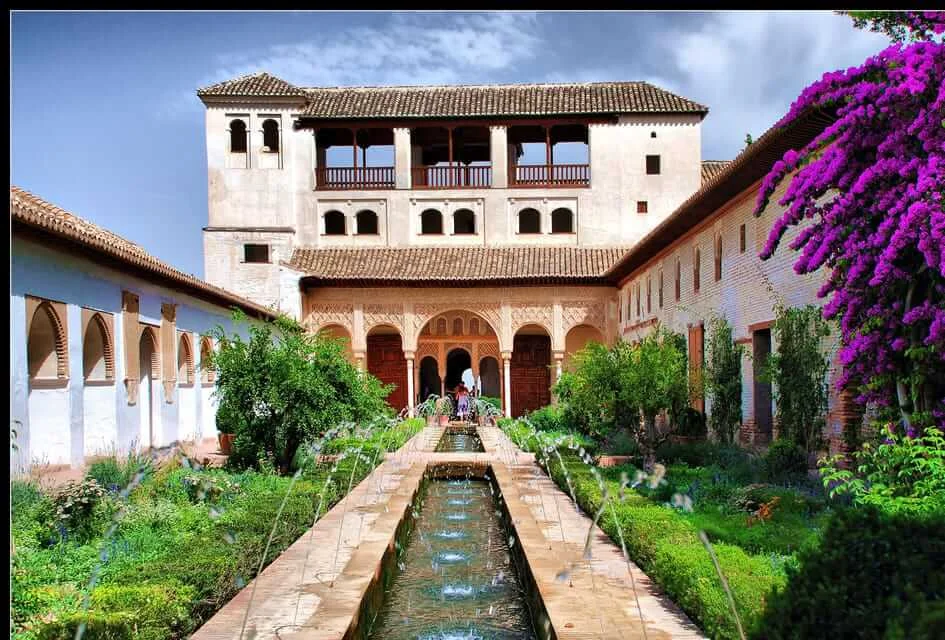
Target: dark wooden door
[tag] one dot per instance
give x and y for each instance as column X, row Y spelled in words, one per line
column 531, row 373
column 696, row 360
column 386, row 362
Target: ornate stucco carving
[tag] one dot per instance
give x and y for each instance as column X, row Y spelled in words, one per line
column 322, row 314
column 527, row 313
column 390, row 314
column 579, row 312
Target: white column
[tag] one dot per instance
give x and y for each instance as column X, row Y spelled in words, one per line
column 402, row 159
column 410, row 391
column 499, row 155
column 360, row 359
column 507, row 382
column 559, row 358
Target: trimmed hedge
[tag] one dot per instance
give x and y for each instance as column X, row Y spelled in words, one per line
column 666, row 545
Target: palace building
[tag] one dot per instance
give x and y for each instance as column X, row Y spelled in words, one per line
column 437, row 229
column 492, row 227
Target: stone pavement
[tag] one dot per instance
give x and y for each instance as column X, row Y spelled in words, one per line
column 315, row 588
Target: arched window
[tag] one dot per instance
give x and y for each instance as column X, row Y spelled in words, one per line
column 237, row 136
column 271, row 135
column 441, row 327
column 562, row 221
column 185, row 360
column 150, row 353
column 660, row 291
column 649, row 294
column 474, row 326
column 98, row 362
column 529, row 221
column 431, row 222
column 367, row 223
column 457, row 326
column 718, row 257
column 464, row 222
column 334, row 223
column 207, row 374
column 46, row 345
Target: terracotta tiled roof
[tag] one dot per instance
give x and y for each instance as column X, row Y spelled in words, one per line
column 32, row 211
column 467, row 264
column 495, row 100
column 712, row 168
column 463, row 101
column 256, row 84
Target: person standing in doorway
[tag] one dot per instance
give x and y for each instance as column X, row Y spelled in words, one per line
column 462, row 401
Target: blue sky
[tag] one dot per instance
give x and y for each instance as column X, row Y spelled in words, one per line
column 106, row 123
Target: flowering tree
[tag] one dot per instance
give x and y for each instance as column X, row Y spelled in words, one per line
column 871, row 187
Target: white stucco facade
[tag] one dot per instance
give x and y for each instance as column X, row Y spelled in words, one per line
column 67, row 421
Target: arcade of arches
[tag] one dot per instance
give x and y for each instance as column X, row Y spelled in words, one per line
column 511, row 343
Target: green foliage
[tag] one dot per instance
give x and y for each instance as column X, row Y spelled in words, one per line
column 799, row 372
column 899, row 473
column 75, row 506
column 620, row 443
column 666, row 545
column 738, row 464
column 894, row 24
column 784, row 460
column 625, row 387
column 874, row 575
column 115, row 473
column 691, row 423
column 548, row 418
column 174, row 559
column 284, row 387
column 723, row 379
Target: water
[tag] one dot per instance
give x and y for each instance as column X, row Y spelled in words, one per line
column 455, row 578
column 453, row 441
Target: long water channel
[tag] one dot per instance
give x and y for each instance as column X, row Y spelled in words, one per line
column 456, row 579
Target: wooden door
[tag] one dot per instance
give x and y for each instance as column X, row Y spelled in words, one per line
column 531, row 373
column 386, row 362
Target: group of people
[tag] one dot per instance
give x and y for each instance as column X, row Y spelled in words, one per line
column 462, row 394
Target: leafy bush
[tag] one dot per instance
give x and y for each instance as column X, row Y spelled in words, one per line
column 114, row 473
column 874, row 575
column 75, row 506
column 691, row 423
column 548, row 418
column 284, row 387
column 625, row 387
column 208, row 486
column 784, row 460
column 723, row 379
column 900, row 473
column 799, row 372
column 666, row 545
column 620, row 443
column 736, row 463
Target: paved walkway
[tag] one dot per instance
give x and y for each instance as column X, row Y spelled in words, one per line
column 315, row 588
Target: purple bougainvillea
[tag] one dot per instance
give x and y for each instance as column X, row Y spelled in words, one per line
column 870, row 189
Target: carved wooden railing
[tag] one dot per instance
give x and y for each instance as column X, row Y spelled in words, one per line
column 554, row 175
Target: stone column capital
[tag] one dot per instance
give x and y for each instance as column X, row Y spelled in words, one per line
column 506, row 355
column 410, row 355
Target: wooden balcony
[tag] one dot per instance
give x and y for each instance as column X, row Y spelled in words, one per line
column 550, row 175
column 455, row 177
column 354, row 178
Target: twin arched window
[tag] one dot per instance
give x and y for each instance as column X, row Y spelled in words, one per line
column 237, row 136
column 98, row 357
column 431, row 222
column 366, row 222
column 185, row 360
column 334, row 223
column 562, row 221
column 46, row 344
column 464, row 222
column 529, row 221
column 271, row 135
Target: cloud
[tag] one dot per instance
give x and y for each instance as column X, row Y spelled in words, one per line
column 409, row 49
column 748, row 67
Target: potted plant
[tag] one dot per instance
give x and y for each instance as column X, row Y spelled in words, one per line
column 487, row 411
column 444, row 409
column 427, row 409
column 225, row 435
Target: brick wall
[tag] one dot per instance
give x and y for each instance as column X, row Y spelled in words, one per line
column 745, row 295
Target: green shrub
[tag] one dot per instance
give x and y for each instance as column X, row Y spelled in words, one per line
column 692, row 424
column 874, row 575
column 76, row 505
column 620, row 443
column 784, row 460
column 666, row 545
column 548, row 418
column 284, row 387
column 114, row 473
column 737, row 464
